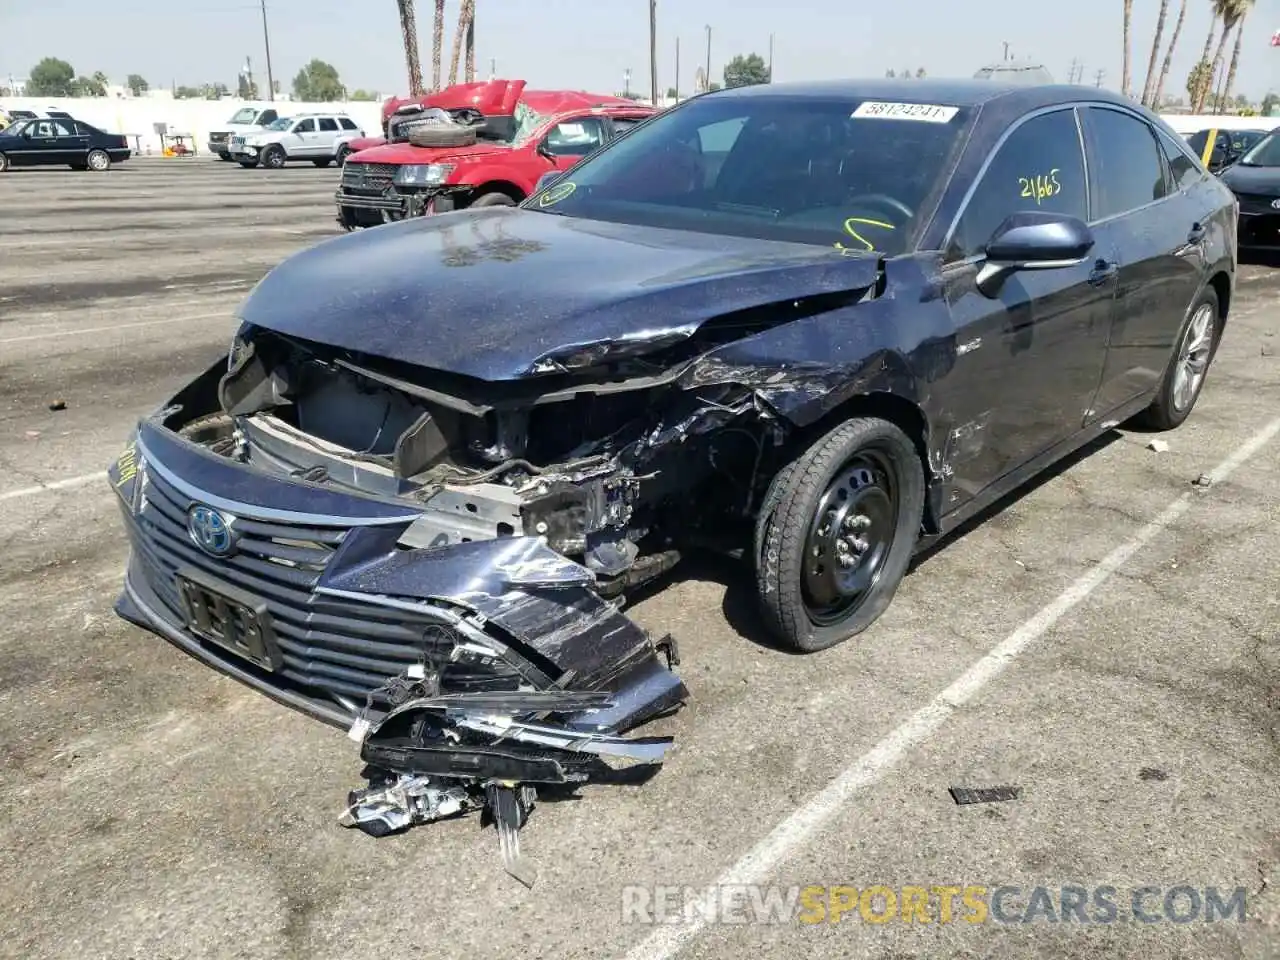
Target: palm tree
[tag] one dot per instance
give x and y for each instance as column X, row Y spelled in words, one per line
column 1235, row 55
column 1155, row 52
column 1128, row 66
column 1197, row 101
column 1231, row 11
column 409, row 33
column 457, row 42
column 437, row 44
column 1158, row 92
column 469, row 44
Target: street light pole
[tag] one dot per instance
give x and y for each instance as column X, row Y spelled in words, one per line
column 708, row 75
column 676, row 87
column 266, row 39
column 653, row 52
column 771, row 58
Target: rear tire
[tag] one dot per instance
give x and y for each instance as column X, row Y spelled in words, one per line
column 836, row 532
column 274, row 157
column 343, row 152
column 1196, row 346
column 98, row 160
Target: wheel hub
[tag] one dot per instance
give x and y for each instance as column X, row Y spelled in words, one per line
column 848, row 539
column 1193, row 358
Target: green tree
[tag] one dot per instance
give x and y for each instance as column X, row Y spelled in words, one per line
column 318, row 82
column 137, row 85
column 671, row 92
column 920, row 74
column 51, row 77
column 745, row 71
column 188, row 93
column 95, row 86
column 1198, row 81
column 714, row 87
column 363, row 96
column 1269, row 103
column 246, row 89
column 890, row 73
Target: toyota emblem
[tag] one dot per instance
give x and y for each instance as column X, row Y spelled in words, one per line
column 211, row 531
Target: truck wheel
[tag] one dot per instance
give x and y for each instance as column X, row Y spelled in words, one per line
column 494, row 198
column 836, row 531
column 274, row 157
column 347, row 218
column 343, row 152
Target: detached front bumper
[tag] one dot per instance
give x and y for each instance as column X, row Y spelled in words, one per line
column 317, row 605
column 397, row 205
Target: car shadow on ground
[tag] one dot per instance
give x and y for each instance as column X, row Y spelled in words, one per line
column 740, row 605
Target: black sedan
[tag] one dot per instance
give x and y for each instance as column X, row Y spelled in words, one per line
column 1255, row 180
column 818, row 325
column 60, row 141
column 1225, row 147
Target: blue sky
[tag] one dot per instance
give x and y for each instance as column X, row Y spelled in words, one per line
column 589, row 43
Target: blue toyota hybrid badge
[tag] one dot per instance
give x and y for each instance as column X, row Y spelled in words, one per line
column 211, row 531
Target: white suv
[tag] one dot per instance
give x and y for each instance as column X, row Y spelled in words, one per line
column 318, row 137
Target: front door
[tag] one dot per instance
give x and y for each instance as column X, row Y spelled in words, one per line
column 301, row 141
column 1028, row 359
column 1160, row 230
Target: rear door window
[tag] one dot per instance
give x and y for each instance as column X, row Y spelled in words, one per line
column 328, row 124
column 1128, row 172
column 305, row 126
column 1183, row 169
column 348, row 124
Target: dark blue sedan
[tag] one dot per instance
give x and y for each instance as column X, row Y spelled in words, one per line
column 818, row 325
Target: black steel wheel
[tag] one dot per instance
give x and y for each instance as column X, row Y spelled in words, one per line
column 836, row 532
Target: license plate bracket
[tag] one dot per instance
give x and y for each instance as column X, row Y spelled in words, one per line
column 230, row 618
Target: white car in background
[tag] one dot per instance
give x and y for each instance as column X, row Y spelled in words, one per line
column 321, row 138
column 244, row 121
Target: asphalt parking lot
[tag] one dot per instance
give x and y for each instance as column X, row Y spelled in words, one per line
column 1109, row 642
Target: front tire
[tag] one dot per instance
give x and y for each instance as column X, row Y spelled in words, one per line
column 225, row 156
column 98, row 160
column 4, row 163
column 836, row 532
column 1197, row 344
column 273, row 158
column 493, row 199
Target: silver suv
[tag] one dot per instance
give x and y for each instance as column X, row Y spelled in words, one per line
column 321, row 138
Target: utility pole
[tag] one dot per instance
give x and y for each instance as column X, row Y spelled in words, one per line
column 1006, row 49
column 1098, row 78
column 676, row 87
column 266, row 39
column 708, row 77
column 626, row 83
column 653, row 52
column 1071, row 74
column 771, row 58
column 493, row 67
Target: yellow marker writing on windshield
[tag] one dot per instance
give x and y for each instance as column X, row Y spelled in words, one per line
column 851, row 231
column 556, row 193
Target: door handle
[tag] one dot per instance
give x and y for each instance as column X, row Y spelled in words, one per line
column 1196, row 233
column 1103, row 271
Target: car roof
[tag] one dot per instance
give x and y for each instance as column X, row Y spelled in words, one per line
column 962, row 92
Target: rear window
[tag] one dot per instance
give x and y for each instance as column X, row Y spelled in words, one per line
column 347, row 124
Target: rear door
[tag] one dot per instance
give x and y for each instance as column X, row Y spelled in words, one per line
column 326, row 136
column 1158, row 230
column 1028, row 360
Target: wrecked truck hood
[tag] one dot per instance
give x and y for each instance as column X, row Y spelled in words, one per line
column 504, row 293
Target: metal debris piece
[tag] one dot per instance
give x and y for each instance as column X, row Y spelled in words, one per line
column 408, row 800
column 58, row 405
column 965, row 795
column 1204, row 480
column 510, row 806
column 1159, row 446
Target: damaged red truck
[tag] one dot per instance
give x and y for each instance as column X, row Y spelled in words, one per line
column 491, row 144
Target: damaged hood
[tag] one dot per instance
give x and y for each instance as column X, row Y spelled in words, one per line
column 503, row 293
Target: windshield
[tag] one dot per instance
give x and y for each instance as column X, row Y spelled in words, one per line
column 856, row 175
column 284, row 123
column 527, row 121
column 245, row 115
column 17, row 128
column 1264, row 153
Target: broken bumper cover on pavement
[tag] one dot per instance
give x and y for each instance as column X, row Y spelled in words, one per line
column 313, row 600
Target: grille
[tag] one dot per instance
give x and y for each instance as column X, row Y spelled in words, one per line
column 219, row 137
column 1256, row 201
column 329, row 644
column 368, row 176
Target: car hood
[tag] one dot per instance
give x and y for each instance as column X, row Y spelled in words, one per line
column 503, row 293
column 1245, row 179
column 402, row 153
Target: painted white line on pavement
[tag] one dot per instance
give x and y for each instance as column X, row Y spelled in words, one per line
column 226, row 315
column 755, row 866
column 54, row 485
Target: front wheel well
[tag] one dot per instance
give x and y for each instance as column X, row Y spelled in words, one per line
column 496, row 186
column 1221, row 284
column 905, row 414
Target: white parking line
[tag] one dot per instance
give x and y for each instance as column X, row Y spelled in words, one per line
column 667, row 941
column 53, row 485
column 115, row 326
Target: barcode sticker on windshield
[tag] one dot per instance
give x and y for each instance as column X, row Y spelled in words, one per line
column 927, row 112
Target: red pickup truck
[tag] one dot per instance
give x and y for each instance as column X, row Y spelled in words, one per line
column 496, row 140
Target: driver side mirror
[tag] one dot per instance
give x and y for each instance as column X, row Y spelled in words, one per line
column 1033, row 241
column 545, row 151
